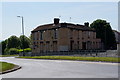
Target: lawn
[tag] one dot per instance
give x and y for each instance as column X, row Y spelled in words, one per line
column 102, row 59
column 7, row 55
column 5, row 66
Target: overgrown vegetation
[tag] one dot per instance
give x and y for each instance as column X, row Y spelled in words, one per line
column 14, row 45
column 25, row 50
column 103, row 59
column 15, row 51
column 6, row 66
column 105, row 33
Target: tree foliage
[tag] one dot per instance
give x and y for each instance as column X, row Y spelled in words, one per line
column 24, row 42
column 3, row 43
column 104, row 31
column 13, row 42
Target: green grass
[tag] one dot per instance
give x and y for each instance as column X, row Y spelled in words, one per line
column 5, row 66
column 102, row 59
column 7, row 55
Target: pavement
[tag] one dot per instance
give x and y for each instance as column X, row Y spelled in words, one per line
column 39, row 68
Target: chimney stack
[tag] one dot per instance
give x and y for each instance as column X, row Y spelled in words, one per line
column 86, row 24
column 56, row 20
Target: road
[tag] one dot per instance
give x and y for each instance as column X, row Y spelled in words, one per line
column 34, row 68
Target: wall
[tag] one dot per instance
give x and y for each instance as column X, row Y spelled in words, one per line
column 67, row 39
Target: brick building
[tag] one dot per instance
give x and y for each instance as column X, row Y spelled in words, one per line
column 64, row 37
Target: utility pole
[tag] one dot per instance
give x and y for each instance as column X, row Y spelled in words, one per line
column 22, row 33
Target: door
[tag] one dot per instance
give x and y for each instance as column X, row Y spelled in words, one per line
column 54, row 45
column 84, row 45
column 71, row 45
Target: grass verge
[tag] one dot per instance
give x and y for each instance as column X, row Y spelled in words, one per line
column 102, row 59
column 7, row 55
column 5, row 66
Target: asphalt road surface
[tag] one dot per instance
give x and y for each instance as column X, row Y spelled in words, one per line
column 34, row 68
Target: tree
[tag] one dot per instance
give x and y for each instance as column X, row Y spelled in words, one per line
column 13, row 42
column 24, row 42
column 104, row 31
column 3, row 43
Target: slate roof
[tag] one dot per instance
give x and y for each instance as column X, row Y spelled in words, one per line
column 69, row 25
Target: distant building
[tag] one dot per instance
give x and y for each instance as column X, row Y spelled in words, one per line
column 117, row 36
column 64, row 37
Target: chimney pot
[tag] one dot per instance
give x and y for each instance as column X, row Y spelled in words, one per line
column 86, row 24
column 56, row 20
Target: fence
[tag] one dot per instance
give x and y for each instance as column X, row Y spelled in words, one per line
column 84, row 53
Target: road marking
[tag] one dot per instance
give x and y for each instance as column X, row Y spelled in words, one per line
column 60, row 61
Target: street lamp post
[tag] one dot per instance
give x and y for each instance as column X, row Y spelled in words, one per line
column 22, row 32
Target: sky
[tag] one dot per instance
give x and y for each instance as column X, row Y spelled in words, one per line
column 39, row 13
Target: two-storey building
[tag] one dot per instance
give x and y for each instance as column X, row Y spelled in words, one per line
column 64, row 37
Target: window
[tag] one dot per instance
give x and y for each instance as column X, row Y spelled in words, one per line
column 83, row 33
column 37, row 44
column 89, row 34
column 93, row 35
column 37, row 35
column 78, row 34
column 34, row 36
column 41, row 35
column 93, row 45
column 56, row 33
column 34, row 45
column 71, row 33
column 78, row 44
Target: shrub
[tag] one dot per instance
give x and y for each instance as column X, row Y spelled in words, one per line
column 13, row 51
column 20, row 50
column 25, row 50
column 6, row 51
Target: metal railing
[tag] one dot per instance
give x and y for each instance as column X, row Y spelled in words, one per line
column 83, row 53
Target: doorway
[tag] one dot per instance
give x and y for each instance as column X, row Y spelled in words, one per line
column 71, row 45
column 84, row 45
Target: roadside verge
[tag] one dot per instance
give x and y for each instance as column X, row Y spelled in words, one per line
column 16, row 67
column 94, row 59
